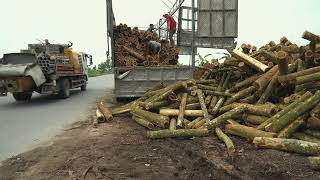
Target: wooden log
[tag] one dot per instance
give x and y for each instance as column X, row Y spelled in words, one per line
column 294, row 113
column 214, row 99
column 100, row 117
column 105, row 111
column 305, row 137
column 207, row 81
column 311, row 37
column 232, row 121
column 157, row 104
column 307, row 86
column 315, row 111
column 247, row 132
column 192, row 123
column 173, row 124
column 313, row 123
column 267, row 110
column 311, row 132
column 270, row 56
column 157, row 119
column 249, row 100
column 227, row 141
column 134, row 53
column 291, row 128
column 293, row 76
column 224, row 117
column 282, row 57
column 177, row 133
column 207, row 100
column 245, row 83
column 218, row 93
column 200, row 123
column 203, row 104
column 241, row 94
column 206, row 87
column 182, row 109
column 143, row 122
column 308, row 78
column 222, row 99
column 288, row 145
column 253, row 119
column 258, row 66
column 269, row 90
column 285, row 110
column 314, row 163
column 175, row 112
column 264, row 80
column 193, row 106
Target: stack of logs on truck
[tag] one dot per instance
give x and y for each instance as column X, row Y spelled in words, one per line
column 268, row 96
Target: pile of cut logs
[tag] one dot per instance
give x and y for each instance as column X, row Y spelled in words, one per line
column 131, row 48
column 268, row 96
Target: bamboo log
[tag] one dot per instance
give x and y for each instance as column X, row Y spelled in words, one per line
column 293, row 76
column 305, row 137
column 291, row 128
column 224, row 117
column 314, row 162
column 227, row 141
column 294, row 113
column 245, row 83
column 311, row 37
column 283, row 62
column 159, row 120
column 177, row 133
column 173, row 124
column 175, row 112
column 134, row 53
column 105, row 111
column 289, row 145
column 182, row 109
column 203, row 104
column 285, row 110
column 258, row 66
column 247, row 132
column 240, row 95
column 218, row 93
column 264, row 80
column 143, row 122
column 99, row 116
column 308, row 78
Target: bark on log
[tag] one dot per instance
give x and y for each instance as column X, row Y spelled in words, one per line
column 192, row 123
column 100, row 117
column 222, row 99
column 313, row 133
column 314, row 162
column 282, row 62
column 134, row 54
column 240, row 95
column 207, row 81
column 253, row 119
column 207, row 100
column 227, row 141
column 214, row 99
column 218, row 93
column 313, row 123
column 175, row 112
column 206, row 87
column 159, row 120
column 105, row 111
column 143, row 122
column 269, row 90
column 249, row 100
column 293, row 76
column 203, row 104
column 157, row 104
column 193, row 106
column 311, row 37
column 182, row 109
column 264, row 80
column 308, row 78
column 294, row 113
column 288, row 145
column 285, row 110
column 247, row 132
column 177, row 133
column 267, row 110
column 200, row 123
column 305, row 137
column 224, row 117
column 258, row 66
column 291, row 128
column 173, row 124
column 307, row 86
column 270, row 56
column 120, row 110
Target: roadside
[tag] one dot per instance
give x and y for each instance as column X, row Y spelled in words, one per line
column 120, row 150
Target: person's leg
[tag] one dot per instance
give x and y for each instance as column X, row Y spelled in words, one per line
column 171, row 33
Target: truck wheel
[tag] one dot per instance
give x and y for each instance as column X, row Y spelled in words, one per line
column 64, row 89
column 84, row 87
column 22, row 96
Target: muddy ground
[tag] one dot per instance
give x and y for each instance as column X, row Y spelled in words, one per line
column 120, row 150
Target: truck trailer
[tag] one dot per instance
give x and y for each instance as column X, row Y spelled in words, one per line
column 43, row 68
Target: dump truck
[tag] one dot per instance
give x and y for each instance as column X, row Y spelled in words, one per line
column 43, row 68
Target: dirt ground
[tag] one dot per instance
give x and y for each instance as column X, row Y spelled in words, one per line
column 120, row 150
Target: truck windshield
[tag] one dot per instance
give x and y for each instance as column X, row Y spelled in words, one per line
column 18, row 58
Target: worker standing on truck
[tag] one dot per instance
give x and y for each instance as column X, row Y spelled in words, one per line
column 151, row 28
column 171, row 25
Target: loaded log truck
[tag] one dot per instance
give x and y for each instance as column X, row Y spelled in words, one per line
column 43, row 68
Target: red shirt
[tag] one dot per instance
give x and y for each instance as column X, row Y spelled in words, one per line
column 171, row 22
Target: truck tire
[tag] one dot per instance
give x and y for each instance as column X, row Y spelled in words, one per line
column 84, row 87
column 22, row 96
column 64, row 91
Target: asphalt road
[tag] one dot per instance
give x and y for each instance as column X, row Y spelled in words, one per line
column 25, row 125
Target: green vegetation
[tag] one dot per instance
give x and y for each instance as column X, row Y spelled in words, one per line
column 102, row 69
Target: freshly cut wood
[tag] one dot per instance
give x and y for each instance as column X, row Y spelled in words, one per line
column 291, row 128
column 241, row 94
column 134, row 54
column 293, row 76
column 100, row 117
column 182, row 109
column 308, row 78
column 105, row 111
column 175, row 112
column 177, row 133
column 157, row 104
column 173, row 124
column 206, row 81
column 267, row 110
column 289, row 145
column 247, row 132
column 305, row 137
column 311, row 37
column 193, row 106
column 203, row 104
column 294, row 113
column 214, row 99
column 157, row 119
column 143, row 122
column 314, row 162
column 304, row 97
column 283, row 62
column 258, row 66
column 218, row 93
column 253, row 119
column 264, row 80
column 227, row 141
column 192, row 123
column 224, row 117
column 120, row 110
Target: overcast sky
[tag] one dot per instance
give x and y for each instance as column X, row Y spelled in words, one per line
column 83, row 22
